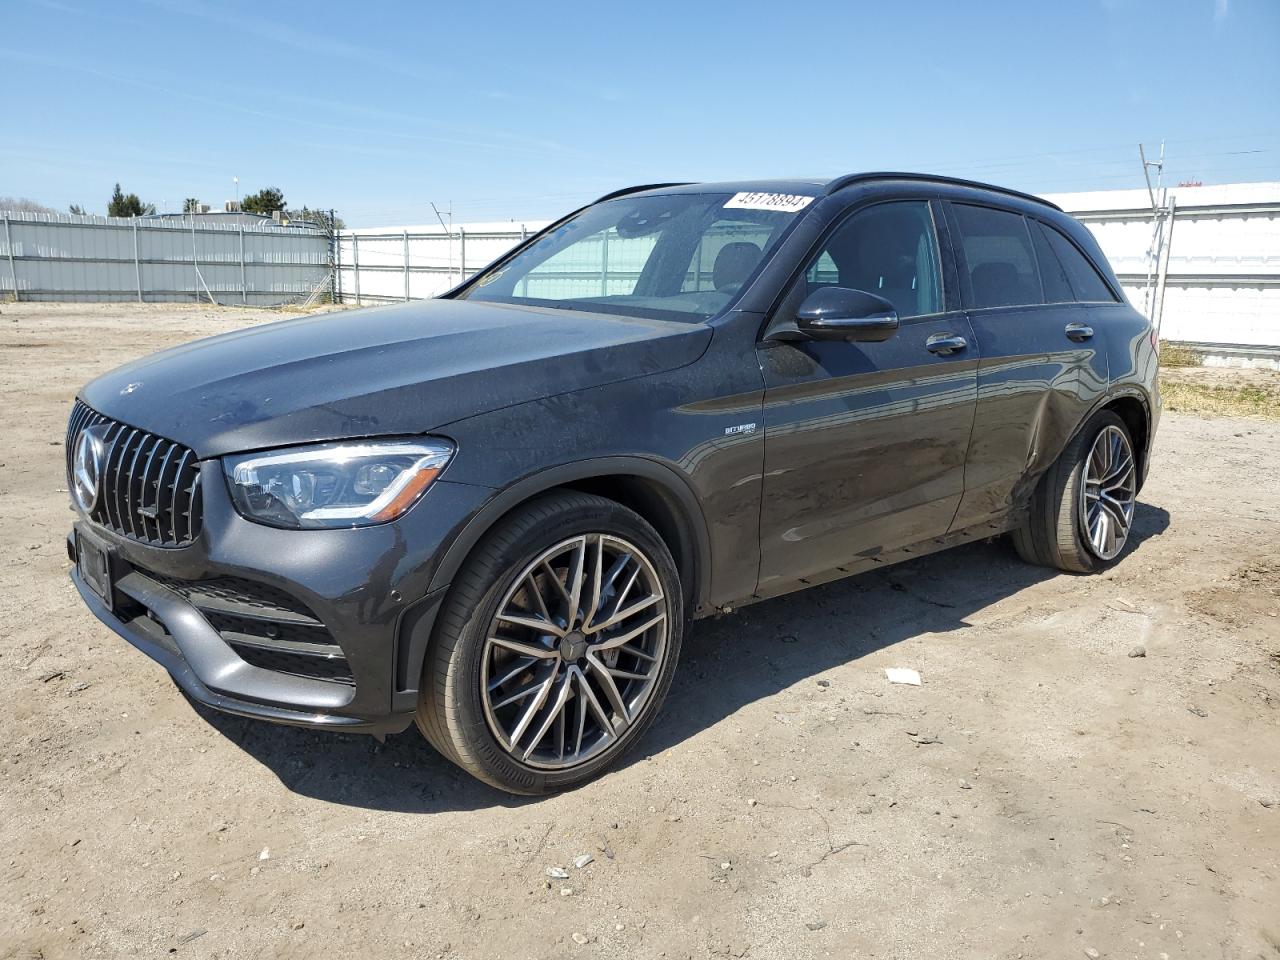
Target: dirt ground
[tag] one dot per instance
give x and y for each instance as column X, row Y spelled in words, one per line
column 1044, row 794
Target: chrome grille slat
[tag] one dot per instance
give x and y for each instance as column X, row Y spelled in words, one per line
column 149, row 499
column 159, row 485
column 194, row 505
column 141, row 470
column 130, row 482
column 119, row 482
column 174, row 509
column 173, row 490
column 142, row 492
column 108, row 499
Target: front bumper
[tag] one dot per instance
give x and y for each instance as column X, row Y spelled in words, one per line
column 363, row 592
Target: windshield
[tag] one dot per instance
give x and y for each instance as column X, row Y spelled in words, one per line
column 680, row 256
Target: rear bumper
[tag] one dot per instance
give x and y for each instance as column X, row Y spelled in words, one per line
column 1154, row 408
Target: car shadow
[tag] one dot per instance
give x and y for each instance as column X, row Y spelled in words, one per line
column 727, row 662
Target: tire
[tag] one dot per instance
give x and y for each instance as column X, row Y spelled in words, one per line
column 1062, row 522
column 548, row 700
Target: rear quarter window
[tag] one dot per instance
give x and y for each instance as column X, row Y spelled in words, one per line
column 1086, row 282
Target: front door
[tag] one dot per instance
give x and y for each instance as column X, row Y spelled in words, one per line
column 865, row 443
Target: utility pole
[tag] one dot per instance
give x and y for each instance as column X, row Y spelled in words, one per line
column 244, row 284
column 355, row 264
column 448, row 232
column 335, row 256
column 1146, row 170
column 1159, row 236
column 137, row 261
column 8, row 242
column 1162, row 277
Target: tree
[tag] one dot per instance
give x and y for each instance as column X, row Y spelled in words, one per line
column 127, row 205
column 24, row 205
column 191, row 205
column 321, row 218
column 78, row 210
column 265, row 202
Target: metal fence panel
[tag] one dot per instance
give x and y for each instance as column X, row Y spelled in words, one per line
column 67, row 257
column 376, row 266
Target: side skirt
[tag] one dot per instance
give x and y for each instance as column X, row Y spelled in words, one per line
column 859, row 565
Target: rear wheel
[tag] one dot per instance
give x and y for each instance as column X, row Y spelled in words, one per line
column 1082, row 511
column 556, row 645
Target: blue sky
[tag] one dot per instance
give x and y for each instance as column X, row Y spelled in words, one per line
column 522, row 110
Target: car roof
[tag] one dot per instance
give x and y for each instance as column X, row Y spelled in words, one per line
column 816, row 187
column 804, row 188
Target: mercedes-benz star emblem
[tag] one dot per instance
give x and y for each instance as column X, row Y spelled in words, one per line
column 86, row 469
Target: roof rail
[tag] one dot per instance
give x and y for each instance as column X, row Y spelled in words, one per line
column 841, row 182
column 640, row 189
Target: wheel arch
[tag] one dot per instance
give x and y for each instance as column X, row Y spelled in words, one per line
column 1133, row 411
column 1134, row 408
column 652, row 489
column 1128, row 402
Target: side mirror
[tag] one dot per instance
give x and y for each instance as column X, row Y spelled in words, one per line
column 838, row 313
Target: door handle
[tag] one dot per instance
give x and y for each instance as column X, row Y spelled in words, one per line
column 945, row 344
column 1079, row 332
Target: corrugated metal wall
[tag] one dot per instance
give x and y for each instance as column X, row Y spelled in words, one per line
column 72, row 258
column 1223, row 285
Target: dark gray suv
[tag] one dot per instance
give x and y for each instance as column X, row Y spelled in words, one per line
column 498, row 511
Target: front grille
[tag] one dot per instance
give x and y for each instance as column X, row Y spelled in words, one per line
column 149, row 487
column 265, row 626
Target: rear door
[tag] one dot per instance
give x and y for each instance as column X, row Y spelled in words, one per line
column 1040, row 371
column 865, row 442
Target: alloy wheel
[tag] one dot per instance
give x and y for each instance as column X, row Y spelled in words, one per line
column 574, row 652
column 1108, row 493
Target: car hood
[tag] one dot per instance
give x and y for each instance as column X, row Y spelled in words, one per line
column 387, row 371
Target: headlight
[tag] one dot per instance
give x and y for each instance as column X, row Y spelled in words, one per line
column 335, row 484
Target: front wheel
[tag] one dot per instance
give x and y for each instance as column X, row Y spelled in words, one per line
column 1082, row 511
column 556, row 646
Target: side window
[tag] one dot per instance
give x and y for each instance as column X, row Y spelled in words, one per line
column 998, row 257
column 890, row 250
column 1085, row 280
column 1057, row 288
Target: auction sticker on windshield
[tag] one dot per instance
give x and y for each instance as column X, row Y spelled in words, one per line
column 782, row 202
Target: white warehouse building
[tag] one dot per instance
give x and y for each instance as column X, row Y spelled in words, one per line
column 1223, row 275
column 1222, row 286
